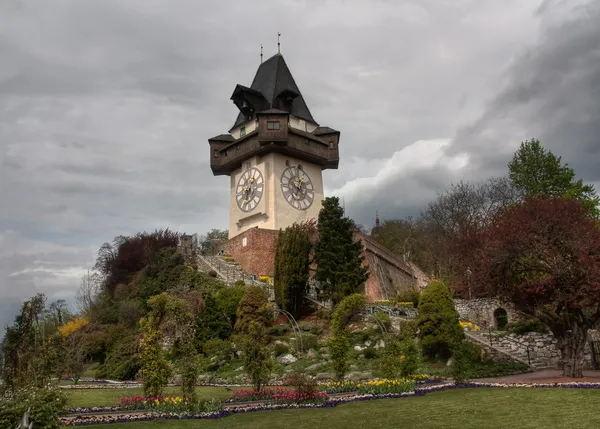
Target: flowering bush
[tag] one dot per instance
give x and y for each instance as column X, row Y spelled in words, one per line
column 378, row 387
column 279, row 395
column 392, row 303
column 342, row 386
column 169, row 404
column 469, row 325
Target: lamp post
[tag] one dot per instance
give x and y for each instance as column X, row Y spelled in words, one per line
column 469, row 280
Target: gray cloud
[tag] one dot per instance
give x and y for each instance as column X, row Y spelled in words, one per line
column 106, row 106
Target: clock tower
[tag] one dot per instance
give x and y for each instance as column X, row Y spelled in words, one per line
column 274, row 154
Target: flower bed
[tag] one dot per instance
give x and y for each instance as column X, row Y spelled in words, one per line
column 330, row 402
column 278, row 395
column 379, row 385
column 169, row 404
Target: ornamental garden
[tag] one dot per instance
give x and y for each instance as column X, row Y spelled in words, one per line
column 161, row 341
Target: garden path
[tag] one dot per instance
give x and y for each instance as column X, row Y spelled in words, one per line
column 544, row 376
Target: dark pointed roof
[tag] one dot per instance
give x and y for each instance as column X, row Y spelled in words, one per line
column 275, row 82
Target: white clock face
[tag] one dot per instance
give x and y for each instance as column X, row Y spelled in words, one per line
column 297, row 188
column 249, row 189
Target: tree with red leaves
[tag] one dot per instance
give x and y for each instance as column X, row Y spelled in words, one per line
column 544, row 256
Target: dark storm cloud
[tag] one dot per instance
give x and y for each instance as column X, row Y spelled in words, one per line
column 550, row 91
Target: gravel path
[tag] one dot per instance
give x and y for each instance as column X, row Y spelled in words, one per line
column 544, row 376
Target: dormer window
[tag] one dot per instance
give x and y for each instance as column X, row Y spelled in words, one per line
column 242, row 131
column 273, row 125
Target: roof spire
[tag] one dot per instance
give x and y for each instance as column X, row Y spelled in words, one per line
column 261, row 55
column 278, row 44
column 377, row 218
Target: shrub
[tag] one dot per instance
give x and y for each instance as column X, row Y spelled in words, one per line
column 221, row 349
column 383, row 319
column 370, row 353
column 391, row 354
column 410, row 363
column 465, row 355
column 339, row 346
column 302, row 383
column 280, row 349
column 527, row 325
column 345, row 310
column 253, row 307
column 408, row 329
column 279, row 330
column 309, row 341
column 438, row 324
column 46, row 407
column 310, row 327
column 323, row 313
column 409, row 295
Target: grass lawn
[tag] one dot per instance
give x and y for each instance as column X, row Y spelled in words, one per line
column 465, row 409
column 111, row 397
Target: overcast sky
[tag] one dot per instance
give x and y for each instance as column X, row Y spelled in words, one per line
column 106, row 107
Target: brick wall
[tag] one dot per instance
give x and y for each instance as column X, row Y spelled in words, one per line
column 254, row 250
column 389, row 275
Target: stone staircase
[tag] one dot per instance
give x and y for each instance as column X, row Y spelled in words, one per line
column 230, row 272
column 506, row 350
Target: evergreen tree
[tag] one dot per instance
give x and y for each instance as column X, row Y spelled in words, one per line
column 292, row 268
column 338, row 257
column 537, row 172
column 438, row 325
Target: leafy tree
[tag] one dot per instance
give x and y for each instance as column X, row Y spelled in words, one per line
column 292, row 268
column 88, row 291
column 254, row 306
column 254, row 315
column 256, row 355
column 438, row 323
column 339, row 343
column 23, row 347
column 338, row 256
column 171, row 316
column 544, row 256
column 75, row 347
column 120, row 261
column 537, row 172
column 207, row 241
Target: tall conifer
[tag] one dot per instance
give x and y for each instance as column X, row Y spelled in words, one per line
column 338, row 256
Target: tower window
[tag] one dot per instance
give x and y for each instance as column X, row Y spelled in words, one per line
column 331, row 145
column 273, row 125
column 216, row 153
column 242, row 131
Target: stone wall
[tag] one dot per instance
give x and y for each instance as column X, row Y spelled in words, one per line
column 254, row 250
column 542, row 347
column 481, row 311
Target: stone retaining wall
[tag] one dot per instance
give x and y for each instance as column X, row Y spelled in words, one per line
column 542, row 347
column 481, row 311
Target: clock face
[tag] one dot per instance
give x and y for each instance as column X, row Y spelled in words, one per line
column 249, row 189
column 297, row 188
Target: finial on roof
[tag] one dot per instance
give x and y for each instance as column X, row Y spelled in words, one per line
column 376, row 218
column 278, row 44
column 261, row 54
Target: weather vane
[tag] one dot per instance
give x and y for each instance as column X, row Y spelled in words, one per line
column 278, row 44
column 261, row 54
